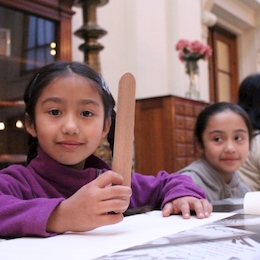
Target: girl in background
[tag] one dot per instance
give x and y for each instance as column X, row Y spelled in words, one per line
column 67, row 188
column 249, row 100
column 222, row 139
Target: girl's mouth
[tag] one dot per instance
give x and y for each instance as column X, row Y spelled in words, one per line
column 71, row 145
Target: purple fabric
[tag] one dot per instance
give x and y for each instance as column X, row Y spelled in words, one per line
column 28, row 195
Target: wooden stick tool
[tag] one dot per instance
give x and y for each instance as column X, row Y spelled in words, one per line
column 124, row 129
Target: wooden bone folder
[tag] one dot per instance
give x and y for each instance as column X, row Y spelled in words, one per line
column 124, row 129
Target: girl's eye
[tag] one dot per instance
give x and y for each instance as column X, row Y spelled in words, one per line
column 87, row 113
column 238, row 138
column 218, row 139
column 54, row 112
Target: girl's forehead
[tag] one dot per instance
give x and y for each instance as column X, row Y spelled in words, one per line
column 225, row 113
column 72, row 76
column 69, row 86
column 71, row 80
column 226, row 119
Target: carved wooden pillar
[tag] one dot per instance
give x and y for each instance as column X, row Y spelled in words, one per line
column 90, row 32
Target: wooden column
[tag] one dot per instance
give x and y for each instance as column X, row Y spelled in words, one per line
column 90, row 32
column 65, row 31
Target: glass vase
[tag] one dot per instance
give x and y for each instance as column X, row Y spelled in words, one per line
column 192, row 70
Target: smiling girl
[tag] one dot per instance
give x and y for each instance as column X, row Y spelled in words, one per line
column 222, row 137
column 65, row 187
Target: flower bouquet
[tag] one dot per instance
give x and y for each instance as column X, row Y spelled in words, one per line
column 190, row 52
column 193, row 51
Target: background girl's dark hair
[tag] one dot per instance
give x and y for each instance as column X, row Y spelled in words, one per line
column 213, row 109
column 45, row 75
column 249, row 98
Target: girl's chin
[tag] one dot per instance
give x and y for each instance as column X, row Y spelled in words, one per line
column 229, row 171
column 74, row 165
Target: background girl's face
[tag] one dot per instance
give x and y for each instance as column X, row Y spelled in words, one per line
column 69, row 120
column 226, row 142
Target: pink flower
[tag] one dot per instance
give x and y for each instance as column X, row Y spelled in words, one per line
column 192, row 51
column 182, row 44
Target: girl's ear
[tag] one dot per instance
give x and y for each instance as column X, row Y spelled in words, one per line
column 29, row 125
column 106, row 127
column 199, row 149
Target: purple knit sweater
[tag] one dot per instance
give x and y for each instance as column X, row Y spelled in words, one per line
column 28, row 195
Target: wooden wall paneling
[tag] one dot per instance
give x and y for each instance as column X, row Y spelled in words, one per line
column 150, row 152
column 164, row 133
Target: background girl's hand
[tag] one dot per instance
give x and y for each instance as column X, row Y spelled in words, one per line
column 184, row 205
column 91, row 206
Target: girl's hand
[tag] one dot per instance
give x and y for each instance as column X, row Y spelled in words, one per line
column 184, row 205
column 98, row 203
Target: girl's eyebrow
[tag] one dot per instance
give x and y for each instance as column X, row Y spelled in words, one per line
column 89, row 101
column 216, row 132
column 51, row 99
column 241, row 130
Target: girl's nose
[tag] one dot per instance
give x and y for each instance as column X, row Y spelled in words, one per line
column 70, row 126
column 229, row 148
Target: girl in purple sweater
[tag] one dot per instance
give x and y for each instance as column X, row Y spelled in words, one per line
column 68, row 111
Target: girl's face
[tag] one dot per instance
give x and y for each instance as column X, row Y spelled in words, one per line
column 226, row 143
column 69, row 120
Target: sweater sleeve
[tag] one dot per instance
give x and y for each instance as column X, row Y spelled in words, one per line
column 197, row 180
column 155, row 192
column 22, row 213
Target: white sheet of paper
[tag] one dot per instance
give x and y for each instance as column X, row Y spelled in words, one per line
column 204, row 242
column 252, row 203
column 224, row 249
column 132, row 231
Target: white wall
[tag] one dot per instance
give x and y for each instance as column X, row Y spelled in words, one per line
column 141, row 39
column 142, row 35
column 77, row 21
